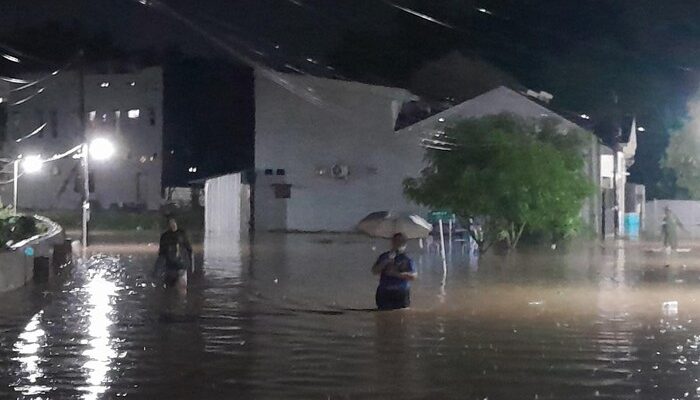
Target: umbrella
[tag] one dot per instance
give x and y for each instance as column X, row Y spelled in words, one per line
column 386, row 224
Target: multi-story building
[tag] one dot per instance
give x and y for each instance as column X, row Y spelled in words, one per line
column 126, row 108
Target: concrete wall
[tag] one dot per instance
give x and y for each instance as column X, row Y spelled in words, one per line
column 132, row 176
column 351, row 125
column 16, row 267
column 227, row 208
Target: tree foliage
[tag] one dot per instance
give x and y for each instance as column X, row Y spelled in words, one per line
column 511, row 173
column 682, row 157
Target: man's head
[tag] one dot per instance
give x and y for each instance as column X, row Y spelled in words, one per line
column 398, row 242
column 172, row 224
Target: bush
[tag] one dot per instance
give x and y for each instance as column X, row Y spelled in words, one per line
column 14, row 229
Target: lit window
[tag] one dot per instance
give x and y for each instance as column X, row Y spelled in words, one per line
column 192, row 169
column 133, row 114
column 132, row 83
column 143, row 159
column 92, row 115
column 104, row 84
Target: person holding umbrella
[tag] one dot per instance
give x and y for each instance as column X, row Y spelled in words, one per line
column 396, row 272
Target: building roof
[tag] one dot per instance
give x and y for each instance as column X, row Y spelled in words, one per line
column 499, row 100
column 310, row 83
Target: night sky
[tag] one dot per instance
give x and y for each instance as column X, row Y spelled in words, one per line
column 600, row 57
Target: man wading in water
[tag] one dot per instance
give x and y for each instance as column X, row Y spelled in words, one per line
column 396, row 272
column 174, row 254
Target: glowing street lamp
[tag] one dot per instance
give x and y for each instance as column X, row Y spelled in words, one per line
column 100, row 149
column 30, row 165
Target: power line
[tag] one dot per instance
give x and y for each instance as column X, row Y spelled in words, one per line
column 34, row 132
column 306, row 93
column 28, row 98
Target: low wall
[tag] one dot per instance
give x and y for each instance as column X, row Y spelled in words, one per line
column 17, row 263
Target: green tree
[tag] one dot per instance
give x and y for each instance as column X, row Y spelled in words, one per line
column 682, row 158
column 513, row 174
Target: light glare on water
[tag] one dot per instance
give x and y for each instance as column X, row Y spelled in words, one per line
column 289, row 319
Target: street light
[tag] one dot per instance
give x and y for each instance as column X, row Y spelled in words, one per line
column 100, row 149
column 30, row 165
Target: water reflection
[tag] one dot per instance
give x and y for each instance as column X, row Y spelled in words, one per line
column 28, row 348
column 101, row 351
column 294, row 323
column 222, row 255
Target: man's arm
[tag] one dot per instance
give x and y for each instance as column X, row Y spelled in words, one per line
column 410, row 273
column 186, row 242
column 161, row 245
column 379, row 266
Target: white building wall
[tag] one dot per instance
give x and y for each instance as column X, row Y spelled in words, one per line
column 226, row 208
column 305, row 140
column 131, row 177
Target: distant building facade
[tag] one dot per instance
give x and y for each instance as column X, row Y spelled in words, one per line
column 126, row 108
column 324, row 165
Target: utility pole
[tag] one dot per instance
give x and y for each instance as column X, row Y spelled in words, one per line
column 15, row 170
column 84, row 150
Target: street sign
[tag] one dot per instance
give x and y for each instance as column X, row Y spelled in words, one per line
column 440, row 215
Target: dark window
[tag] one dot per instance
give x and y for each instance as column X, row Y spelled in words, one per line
column 280, row 172
column 282, row 190
column 268, row 171
column 152, row 116
column 53, row 120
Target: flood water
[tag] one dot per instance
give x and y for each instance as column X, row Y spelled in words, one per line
column 290, row 318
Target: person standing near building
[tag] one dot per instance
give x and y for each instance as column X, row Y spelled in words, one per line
column 669, row 229
column 396, row 272
column 174, row 255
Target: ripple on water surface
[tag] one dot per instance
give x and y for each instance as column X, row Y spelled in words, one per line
column 290, row 319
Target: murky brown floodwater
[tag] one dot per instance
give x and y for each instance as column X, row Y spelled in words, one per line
column 288, row 320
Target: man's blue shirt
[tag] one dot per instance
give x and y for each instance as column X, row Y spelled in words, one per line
column 403, row 264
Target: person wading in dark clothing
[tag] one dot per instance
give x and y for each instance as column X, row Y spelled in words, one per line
column 396, row 272
column 174, row 255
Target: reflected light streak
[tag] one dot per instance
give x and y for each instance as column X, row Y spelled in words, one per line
column 101, row 353
column 27, row 348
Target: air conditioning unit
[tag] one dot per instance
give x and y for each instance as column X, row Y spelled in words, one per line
column 340, row 171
